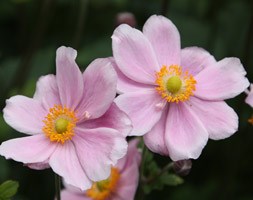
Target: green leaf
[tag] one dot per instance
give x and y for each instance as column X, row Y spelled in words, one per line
column 156, row 184
column 161, row 181
column 171, row 179
column 149, row 156
column 8, row 189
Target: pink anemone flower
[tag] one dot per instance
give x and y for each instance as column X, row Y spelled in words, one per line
column 174, row 96
column 249, row 100
column 121, row 185
column 74, row 126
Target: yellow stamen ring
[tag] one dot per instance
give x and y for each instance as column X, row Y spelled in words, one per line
column 102, row 190
column 59, row 124
column 175, row 85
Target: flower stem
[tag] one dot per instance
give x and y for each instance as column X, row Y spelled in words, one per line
column 140, row 193
column 167, row 167
column 57, row 187
column 165, row 7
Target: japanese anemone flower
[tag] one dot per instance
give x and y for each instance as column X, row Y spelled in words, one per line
column 121, row 184
column 249, row 100
column 174, row 96
column 74, row 126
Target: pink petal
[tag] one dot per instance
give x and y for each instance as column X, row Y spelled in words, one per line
column 134, row 54
column 72, row 188
column 126, row 84
column 195, row 59
column 185, row 134
column 133, row 156
column 143, row 107
column 133, row 153
column 249, row 99
column 67, row 195
column 223, row 80
column 65, row 162
column 98, row 149
column 24, row 114
column 100, row 80
column 30, row 149
column 39, row 166
column 154, row 139
column 113, row 118
column 47, row 91
column 69, row 77
column 219, row 119
column 164, row 38
column 129, row 172
column 128, row 182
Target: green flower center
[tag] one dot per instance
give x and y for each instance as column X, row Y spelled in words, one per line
column 174, row 84
column 103, row 185
column 61, row 125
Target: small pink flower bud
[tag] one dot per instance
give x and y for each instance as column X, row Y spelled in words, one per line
column 182, row 167
column 125, row 18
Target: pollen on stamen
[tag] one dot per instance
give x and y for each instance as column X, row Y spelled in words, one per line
column 59, row 124
column 175, row 85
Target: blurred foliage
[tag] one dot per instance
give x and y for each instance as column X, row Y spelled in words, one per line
column 31, row 31
column 8, row 189
column 155, row 177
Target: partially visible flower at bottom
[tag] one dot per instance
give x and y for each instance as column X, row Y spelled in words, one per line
column 121, row 185
column 249, row 100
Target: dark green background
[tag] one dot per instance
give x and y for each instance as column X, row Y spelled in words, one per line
column 31, row 31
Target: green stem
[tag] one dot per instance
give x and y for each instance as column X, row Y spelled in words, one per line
column 165, row 7
column 144, row 155
column 57, row 187
column 80, row 23
column 163, row 170
column 140, row 193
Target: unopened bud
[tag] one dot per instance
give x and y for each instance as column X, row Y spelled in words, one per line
column 182, row 167
column 125, row 18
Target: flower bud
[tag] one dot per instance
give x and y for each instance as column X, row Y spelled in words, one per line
column 182, row 167
column 125, row 18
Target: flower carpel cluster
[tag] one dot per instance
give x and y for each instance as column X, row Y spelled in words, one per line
column 174, row 85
